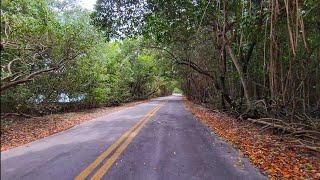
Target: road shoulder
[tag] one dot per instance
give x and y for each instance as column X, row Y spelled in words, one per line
column 271, row 153
column 19, row 131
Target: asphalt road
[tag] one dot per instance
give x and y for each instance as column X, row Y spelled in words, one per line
column 154, row 140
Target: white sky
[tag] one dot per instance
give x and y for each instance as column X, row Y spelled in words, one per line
column 87, row 4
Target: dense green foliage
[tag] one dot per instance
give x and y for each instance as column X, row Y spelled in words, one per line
column 53, row 58
column 261, row 58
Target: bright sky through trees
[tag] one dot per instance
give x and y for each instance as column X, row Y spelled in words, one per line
column 87, row 4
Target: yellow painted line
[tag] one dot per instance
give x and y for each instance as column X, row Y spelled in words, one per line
column 102, row 156
column 109, row 162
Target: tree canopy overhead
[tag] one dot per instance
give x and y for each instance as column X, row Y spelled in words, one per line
column 244, row 51
column 52, row 56
column 253, row 58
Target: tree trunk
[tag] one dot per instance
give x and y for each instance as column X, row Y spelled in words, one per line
column 241, row 76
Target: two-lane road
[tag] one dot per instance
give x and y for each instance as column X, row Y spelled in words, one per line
column 154, row 140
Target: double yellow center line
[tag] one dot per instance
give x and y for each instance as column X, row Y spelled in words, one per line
column 126, row 138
